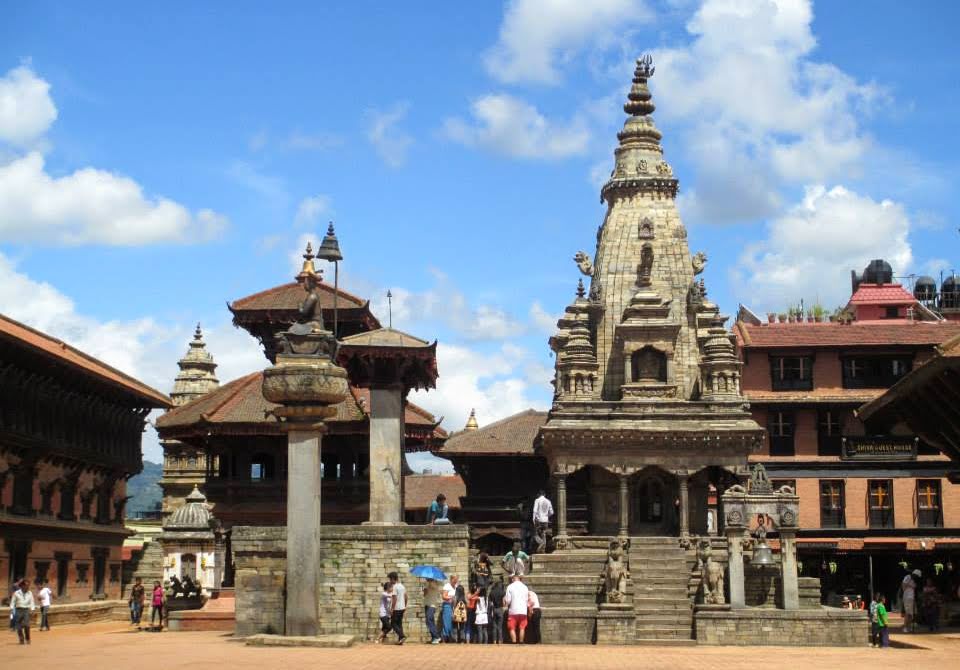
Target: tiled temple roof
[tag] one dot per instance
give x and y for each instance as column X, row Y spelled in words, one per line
column 882, row 294
column 515, row 434
column 26, row 337
column 420, row 490
column 789, row 335
column 289, row 296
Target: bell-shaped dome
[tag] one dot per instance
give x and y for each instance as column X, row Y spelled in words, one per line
column 193, row 516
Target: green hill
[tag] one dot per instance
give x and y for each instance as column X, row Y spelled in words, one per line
column 144, row 489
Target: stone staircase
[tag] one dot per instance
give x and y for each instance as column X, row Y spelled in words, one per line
column 659, row 581
column 146, row 564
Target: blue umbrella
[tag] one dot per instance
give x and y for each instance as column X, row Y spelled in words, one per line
column 428, row 572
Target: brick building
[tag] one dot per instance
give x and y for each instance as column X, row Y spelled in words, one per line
column 869, row 503
column 70, row 437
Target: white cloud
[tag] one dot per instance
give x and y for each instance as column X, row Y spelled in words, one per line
column 92, row 206
column 542, row 320
column 537, row 35
column 268, row 186
column 506, row 125
column 809, row 250
column 310, row 209
column 26, row 108
column 492, row 383
column 775, row 117
column 389, row 141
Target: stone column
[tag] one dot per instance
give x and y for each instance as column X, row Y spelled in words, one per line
column 682, row 479
column 303, row 530
column 788, row 570
column 735, row 551
column 386, row 454
column 624, row 506
column 560, row 541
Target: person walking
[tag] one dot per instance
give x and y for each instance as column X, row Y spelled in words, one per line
column 386, row 611
column 495, row 609
column 14, row 587
column 157, row 600
column 883, row 632
column 533, row 615
column 516, row 600
column 908, row 588
column 448, row 594
column 482, row 618
column 399, row 606
column 431, row 601
column 23, row 604
column 542, row 512
column 930, row 605
column 45, row 595
column 137, row 596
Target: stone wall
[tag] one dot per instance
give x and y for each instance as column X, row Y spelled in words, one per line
column 354, row 562
column 74, row 613
column 827, row 627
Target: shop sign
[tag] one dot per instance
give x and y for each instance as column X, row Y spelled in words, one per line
column 879, row 448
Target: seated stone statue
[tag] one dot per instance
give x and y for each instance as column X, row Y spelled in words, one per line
column 615, row 574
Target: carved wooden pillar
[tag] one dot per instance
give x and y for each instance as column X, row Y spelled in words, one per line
column 683, row 480
column 624, row 505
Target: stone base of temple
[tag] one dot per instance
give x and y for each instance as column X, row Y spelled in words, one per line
column 824, row 627
column 353, row 564
column 615, row 623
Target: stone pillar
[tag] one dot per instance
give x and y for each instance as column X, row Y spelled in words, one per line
column 682, row 479
column 788, row 570
column 303, row 530
column 561, row 539
column 735, row 564
column 624, row 506
column 386, row 454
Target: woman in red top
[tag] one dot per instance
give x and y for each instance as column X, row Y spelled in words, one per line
column 157, row 602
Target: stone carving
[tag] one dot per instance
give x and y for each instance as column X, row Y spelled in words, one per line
column 582, row 259
column 786, row 489
column 646, row 229
column 759, row 482
column 595, row 290
column 641, row 166
column 699, row 262
column 712, row 579
column 615, row 573
column 308, row 336
column 736, row 488
column 646, row 266
column 734, row 518
column 788, row 518
column 664, row 169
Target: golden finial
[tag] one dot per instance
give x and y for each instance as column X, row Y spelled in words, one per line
column 472, row 421
column 308, row 268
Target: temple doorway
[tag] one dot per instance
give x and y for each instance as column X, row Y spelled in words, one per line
column 188, row 566
column 651, row 503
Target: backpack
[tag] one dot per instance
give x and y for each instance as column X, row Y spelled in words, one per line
column 460, row 612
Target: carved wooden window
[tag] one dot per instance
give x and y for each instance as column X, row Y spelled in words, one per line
column 829, row 432
column 780, row 428
column 63, row 570
column 880, row 501
column 874, row 371
column 929, row 503
column 832, row 504
column 791, row 373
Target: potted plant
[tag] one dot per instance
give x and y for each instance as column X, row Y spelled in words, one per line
column 771, row 317
column 782, row 317
column 818, row 312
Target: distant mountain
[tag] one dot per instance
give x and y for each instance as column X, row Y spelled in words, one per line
column 145, row 489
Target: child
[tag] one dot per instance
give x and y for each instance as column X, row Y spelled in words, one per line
column 881, row 611
column 481, row 616
column 156, row 601
column 386, row 611
column 45, row 596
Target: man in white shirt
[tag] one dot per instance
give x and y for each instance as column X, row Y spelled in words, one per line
column 23, row 604
column 542, row 511
column 448, row 594
column 516, row 601
column 45, row 597
column 399, row 606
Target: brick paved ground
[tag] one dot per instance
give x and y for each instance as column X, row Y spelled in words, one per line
column 115, row 647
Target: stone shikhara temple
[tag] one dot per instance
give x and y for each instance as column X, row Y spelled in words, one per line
column 661, row 527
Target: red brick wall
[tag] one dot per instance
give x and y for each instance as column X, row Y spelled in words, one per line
column 82, row 553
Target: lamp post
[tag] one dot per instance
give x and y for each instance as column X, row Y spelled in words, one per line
column 330, row 251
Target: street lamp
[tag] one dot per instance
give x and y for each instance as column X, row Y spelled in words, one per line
column 330, row 251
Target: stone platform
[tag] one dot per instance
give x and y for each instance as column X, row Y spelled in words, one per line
column 327, row 641
column 354, row 562
column 823, row 627
column 74, row 613
column 218, row 613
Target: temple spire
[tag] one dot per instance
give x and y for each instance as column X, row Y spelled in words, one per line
column 472, row 421
column 639, row 100
column 196, row 376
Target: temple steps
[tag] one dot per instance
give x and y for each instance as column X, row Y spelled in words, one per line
column 146, row 564
column 659, row 576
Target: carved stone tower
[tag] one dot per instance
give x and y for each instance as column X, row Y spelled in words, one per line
column 196, row 376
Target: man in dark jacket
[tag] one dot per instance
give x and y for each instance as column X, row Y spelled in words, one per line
column 495, row 608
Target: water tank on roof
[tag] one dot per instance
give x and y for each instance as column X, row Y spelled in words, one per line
column 925, row 290
column 950, row 293
column 878, row 272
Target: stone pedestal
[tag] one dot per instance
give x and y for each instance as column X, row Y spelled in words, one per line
column 386, row 447
column 303, row 527
column 788, row 566
column 735, row 565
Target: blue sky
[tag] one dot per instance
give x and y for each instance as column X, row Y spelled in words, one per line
column 155, row 165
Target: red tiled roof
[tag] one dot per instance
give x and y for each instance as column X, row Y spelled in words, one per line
column 241, row 402
column 876, row 333
column 882, row 294
column 25, row 336
column 513, row 435
column 420, row 490
column 289, row 296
